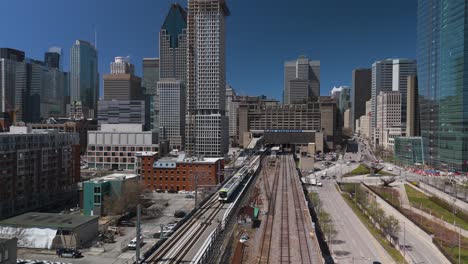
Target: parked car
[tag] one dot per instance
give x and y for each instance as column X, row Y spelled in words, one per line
column 190, row 196
column 319, row 184
column 68, row 253
column 159, row 190
column 172, row 191
column 244, row 238
column 133, row 243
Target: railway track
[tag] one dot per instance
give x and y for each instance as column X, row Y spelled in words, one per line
column 265, row 247
column 301, row 227
column 285, row 256
column 160, row 256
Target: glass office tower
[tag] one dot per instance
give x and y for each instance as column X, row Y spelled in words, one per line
column 443, row 82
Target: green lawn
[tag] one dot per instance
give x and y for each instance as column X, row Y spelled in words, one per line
column 360, row 170
column 418, row 199
column 393, row 252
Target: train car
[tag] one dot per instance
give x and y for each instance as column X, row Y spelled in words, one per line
column 230, row 187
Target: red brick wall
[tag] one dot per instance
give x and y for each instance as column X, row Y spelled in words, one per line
column 180, row 178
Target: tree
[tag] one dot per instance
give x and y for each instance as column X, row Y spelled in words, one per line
column 391, row 226
column 126, row 201
column 327, row 226
column 316, row 202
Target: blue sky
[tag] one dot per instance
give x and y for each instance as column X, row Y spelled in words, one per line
column 261, row 34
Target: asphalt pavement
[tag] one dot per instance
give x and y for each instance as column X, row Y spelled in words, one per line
column 353, row 243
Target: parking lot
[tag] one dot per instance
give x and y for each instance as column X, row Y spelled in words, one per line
column 160, row 213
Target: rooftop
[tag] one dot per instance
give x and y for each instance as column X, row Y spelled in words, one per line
column 48, row 220
column 115, row 177
column 181, row 157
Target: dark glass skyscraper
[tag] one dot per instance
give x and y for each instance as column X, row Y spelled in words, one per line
column 442, row 82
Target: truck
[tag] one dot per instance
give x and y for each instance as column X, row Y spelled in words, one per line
column 313, row 181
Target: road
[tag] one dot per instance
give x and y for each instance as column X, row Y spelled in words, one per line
column 416, row 242
column 353, row 243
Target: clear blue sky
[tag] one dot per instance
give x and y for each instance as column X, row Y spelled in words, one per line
column 261, row 34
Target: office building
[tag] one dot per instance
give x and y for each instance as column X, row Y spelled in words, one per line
column 121, row 112
column 330, row 121
column 115, row 145
column 39, row 170
column 388, row 119
column 442, row 69
column 122, row 87
column 365, row 128
column 100, row 194
column 53, row 58
column 179, row 172
column 409, row 151
column 412, row 108
column 122, row 65
column 232, row 107
column 360, row 92
column 173, row 44
column 172, row 112
column 301, row 81
column 12, row 54
column 79, row 126
column 150, row 83
column 347, row 119
column 206, row 123
column 344, row 101
column 84, row 76
column 391, row 75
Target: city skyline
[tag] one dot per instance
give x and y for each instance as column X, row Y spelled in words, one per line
column 359, row 43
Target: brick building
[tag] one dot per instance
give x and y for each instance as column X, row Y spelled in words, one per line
column 178, row 172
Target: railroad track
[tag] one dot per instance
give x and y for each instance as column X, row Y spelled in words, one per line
column 265, row 247
column 169, row 246
column 284, row 236
column 298, row 208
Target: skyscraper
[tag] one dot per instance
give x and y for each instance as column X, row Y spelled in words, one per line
column 360, row 93
column 173, row 44
column 391, row 75
column 149, row 83
column 53, row 58
column 84, row 76
column 301, row 81
column 206, row 122
column 442, row 86
column 171, row 93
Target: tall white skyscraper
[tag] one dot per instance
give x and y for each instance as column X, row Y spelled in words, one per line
column 84, row 76
column 206, row 121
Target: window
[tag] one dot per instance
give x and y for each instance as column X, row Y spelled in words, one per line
column 97, row 199
column 97, row 189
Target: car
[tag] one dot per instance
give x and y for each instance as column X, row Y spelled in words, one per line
column 190, row 196
column 244, row 238
column 390, row 169
column 319, row 184
column 127, row 223
column 334, row 177
column 159, row 190
column 182, row 192
column 68, row 253
column 172, row 191
column 133, row 243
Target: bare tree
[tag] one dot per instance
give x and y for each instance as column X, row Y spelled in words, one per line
column 126, row 201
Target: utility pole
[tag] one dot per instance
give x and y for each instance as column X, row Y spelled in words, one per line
column 404, row 238
column 137, row 252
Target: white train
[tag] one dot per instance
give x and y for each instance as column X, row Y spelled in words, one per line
column 230, row 187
